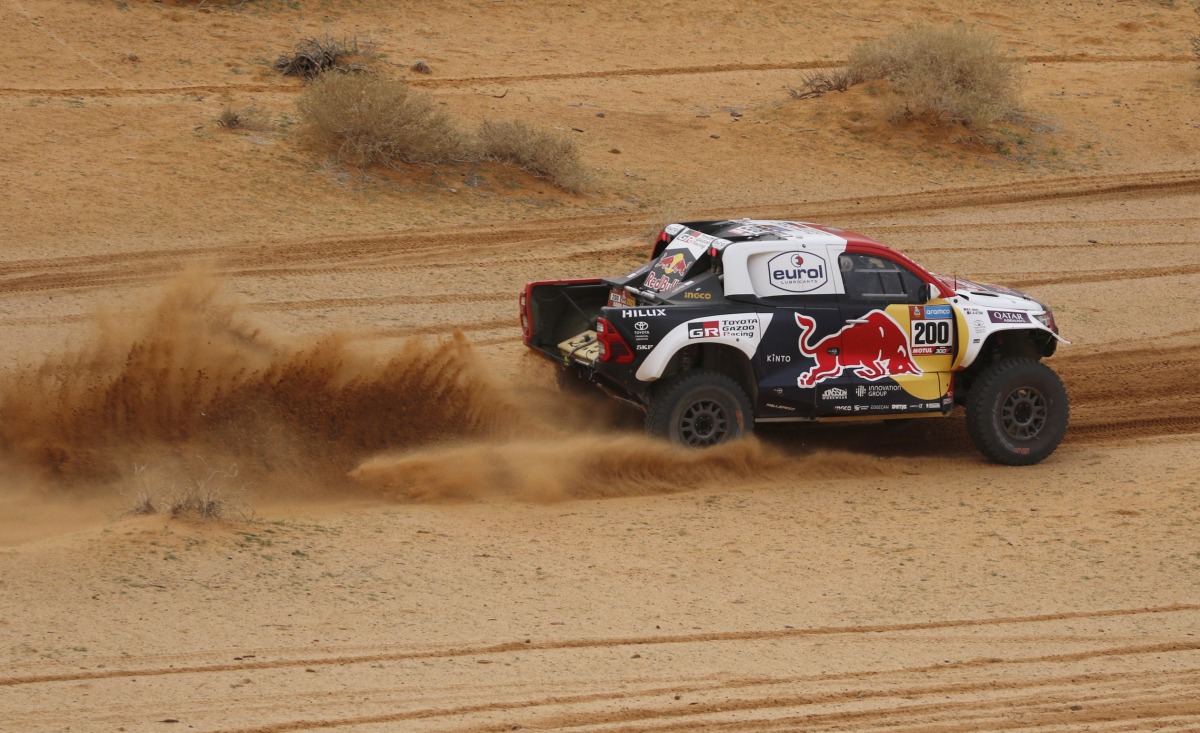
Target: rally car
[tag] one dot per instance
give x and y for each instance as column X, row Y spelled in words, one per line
column 738, row 322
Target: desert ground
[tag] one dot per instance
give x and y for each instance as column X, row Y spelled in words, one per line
column 417, row 532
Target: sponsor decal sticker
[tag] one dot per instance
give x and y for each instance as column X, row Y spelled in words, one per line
column 620, row 298
column 932, row 335
column 660, row 283
column 645, row 347
column 693, row 237
column 797, row 272
column 938, row 311
column 735, row 328
column 899, row 407
column 788, row 228
column 673, row 264
column 861, row 408
column 668, row 271
column 842, row 408
column 1008, row 316
column 835, row 393
column 875, row 346
column 780, row 407
column 705, row 330
column 690, row 295
column 747, row 230
column 778, row 358
column 643, row 312
column 875, row 390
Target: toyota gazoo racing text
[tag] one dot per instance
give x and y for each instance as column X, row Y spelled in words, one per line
column 739, row 322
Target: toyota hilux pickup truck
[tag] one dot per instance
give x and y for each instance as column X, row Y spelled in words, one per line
column 736, row 323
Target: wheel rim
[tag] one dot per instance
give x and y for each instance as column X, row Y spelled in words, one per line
column 1024, row 413
column 704, row 423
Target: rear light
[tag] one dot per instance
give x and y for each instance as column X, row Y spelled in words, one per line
column 660, row 243
column 613, row 347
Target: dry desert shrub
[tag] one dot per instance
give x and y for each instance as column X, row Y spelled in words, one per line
column 363, row 119
column 951, row 74
column 314, row 56
column 543, row 153
column 200, row 502
column 822, row 81
column 202, row 499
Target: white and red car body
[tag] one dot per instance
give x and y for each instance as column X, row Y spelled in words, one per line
column 815, row 322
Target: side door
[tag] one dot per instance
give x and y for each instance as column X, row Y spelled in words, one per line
column 897, row 349
column 792, row 279
column 799, row 322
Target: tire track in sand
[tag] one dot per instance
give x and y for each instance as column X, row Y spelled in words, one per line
column 467, row 81
column 320, row 255
column 926, row 692
column 881, row 699
column 588, row 643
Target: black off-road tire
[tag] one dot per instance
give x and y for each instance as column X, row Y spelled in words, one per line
column 1017, row 411
column 699, row 409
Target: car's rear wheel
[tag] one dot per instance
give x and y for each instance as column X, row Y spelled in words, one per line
column 699, row 409
column 1017, row 411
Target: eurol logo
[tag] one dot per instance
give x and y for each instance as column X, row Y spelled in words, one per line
column 797, row 272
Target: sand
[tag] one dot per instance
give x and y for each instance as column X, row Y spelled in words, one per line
column 417, row 532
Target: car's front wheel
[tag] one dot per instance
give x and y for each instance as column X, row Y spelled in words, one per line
column 699, row 409
column 1017, row 411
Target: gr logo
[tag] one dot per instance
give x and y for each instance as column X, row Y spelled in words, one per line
column 704, row 330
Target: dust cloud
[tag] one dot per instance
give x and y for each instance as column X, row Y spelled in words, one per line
column 192, row 390
column 194, row 384
column 573, row 467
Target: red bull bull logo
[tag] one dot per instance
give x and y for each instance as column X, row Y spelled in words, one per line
column 673, row 264
column 874, row 347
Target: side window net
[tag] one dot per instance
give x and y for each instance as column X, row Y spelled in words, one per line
column 869, row 278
